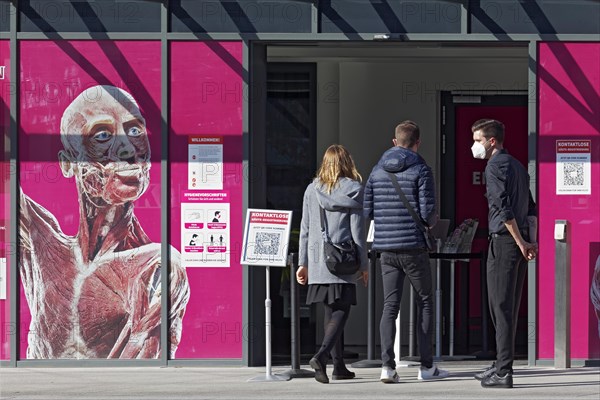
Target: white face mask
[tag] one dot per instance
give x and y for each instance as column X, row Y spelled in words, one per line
column 478, row 150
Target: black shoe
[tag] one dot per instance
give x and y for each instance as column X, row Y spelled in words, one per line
column 320, row 372
column 496, row 381
column 342, row 374
column 484, row 374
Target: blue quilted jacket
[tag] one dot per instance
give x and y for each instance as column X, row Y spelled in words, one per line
column 395, row 229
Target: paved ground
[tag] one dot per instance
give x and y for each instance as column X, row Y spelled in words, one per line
column 231, row 383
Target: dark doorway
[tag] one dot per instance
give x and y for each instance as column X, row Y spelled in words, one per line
column 463, row 196
column 290, row 155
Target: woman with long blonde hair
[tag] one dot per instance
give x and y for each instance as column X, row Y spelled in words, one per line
column 336, row 190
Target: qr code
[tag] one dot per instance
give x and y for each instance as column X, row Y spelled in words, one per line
column 573, row 174
column 267, row 244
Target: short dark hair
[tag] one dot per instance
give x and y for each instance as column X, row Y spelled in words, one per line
column 407, row 133
column 217, row 213
column 490, row 128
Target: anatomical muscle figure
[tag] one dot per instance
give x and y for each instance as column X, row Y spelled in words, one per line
column 98, row 294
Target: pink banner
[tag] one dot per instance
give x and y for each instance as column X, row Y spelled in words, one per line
column 569, row 104
column 90, row 205
column 206, row 100
column 5, row 247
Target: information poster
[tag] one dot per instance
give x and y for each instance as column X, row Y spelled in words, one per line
column 205, row 240
column 573, row 167
column 205, row 163
column 266, row 237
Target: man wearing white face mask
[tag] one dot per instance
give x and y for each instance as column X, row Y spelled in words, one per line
column 512, row 225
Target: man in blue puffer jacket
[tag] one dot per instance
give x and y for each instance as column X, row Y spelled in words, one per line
column 402, row 244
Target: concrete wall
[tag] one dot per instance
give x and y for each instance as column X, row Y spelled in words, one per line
column 375, row 97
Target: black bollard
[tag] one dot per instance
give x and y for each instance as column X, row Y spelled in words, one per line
column 371, row 361
column 485, row 353
column 411, row 324
column 295, row 371
column 484, row 307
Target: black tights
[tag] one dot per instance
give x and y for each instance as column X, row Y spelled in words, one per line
column 336, row 315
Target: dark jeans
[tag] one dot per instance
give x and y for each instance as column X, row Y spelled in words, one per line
column 394, row 267
column 506, row 270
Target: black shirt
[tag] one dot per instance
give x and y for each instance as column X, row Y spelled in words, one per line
column 507, row 185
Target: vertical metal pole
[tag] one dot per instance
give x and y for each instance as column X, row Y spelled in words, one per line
column 268, row 377
column 464, row 18
column 399, row 362
column 398, row 339
column 165, row 188
column 452, row 268
column 294, row 313
column 268, row 322
column 562, row 296
column 532, row 157
column 438, row 302
column 484, row 305
column 314, row 10
column 13, row 256
column 295, row 371
column 247, row 272
column 411, row 323
column 371, row 311
column 371, row 361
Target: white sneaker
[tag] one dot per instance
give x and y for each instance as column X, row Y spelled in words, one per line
column 389, row 375
column 428, row 374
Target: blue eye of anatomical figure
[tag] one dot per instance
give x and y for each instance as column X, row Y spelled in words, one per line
column 134, row 131
column 102, row 136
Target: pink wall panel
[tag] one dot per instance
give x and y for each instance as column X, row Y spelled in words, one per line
column 5, row 247
column 53, row 74
column 569, row 108
column 206, row 99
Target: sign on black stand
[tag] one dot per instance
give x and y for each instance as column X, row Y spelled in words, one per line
column 266, row 241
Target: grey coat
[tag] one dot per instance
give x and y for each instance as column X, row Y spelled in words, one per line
column 345, row 220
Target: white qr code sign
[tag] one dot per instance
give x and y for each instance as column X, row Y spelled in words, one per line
column 573, row 167
column 266, row 237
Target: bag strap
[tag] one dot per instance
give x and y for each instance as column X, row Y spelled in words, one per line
column 324, row 224
column 410, row 209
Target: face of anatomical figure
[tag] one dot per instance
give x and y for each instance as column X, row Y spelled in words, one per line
column 106, row 146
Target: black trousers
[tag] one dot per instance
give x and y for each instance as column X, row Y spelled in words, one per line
column 395, row 266
column 506, row 271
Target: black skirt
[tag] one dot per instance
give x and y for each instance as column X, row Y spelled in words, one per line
column 330, row 293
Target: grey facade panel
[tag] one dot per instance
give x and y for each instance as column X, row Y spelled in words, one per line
column 245, row 16
column 393, row 16
column 535, row 16
column 89, row 16
column 4, row 15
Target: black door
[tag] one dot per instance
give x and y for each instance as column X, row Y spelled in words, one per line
column 462, row 197
column 290, row 157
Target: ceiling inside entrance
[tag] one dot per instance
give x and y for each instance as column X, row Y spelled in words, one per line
column 385, row 52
